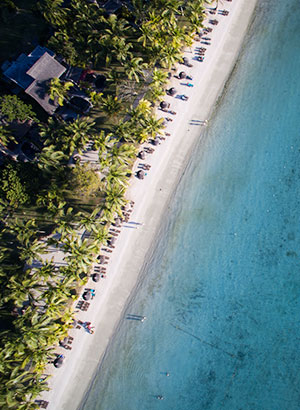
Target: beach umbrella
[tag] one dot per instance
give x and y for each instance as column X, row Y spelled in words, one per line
column 182, row 74
column 142, row 155
column 172, row 91
column 86, row 295
column 112, row 240
column 117, row 222
column 101, row 258
column 185, row 60
column 156, row 141
column 141, row 174
column 164, row 105
column 58, row 362
column 95, row 277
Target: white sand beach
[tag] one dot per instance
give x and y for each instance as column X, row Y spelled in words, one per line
column 151, row 196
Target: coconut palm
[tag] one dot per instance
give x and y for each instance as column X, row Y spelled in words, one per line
column 115, row 198
column 154, row 126
column 58, row 90
column 159, row 77
column 24, row 231
column 101, row 235
column 144, row 108
column 102, row 142
column 156, row 92
column 147, row 34
column 49, row 158
column 116, row 27
column 77, row 134
column 66, row 221
column 90, row 222
column 121, row 154
column 111, row 105
column 171, row 55
column 30, row 251
column 123, row 131
column 134, row 68
column 118, row 175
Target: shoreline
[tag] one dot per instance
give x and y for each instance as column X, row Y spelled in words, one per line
column 70, row 384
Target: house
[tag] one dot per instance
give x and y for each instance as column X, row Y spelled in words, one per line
column 32, row 73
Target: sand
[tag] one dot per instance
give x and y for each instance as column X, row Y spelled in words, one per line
column 151, row 196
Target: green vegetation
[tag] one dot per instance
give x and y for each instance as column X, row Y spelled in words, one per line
column 52, row 194
column 58, row 90
column 14, row 109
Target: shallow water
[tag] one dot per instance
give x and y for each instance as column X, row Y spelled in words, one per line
column 221, row 291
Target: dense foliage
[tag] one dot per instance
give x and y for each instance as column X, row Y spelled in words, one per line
column 13, row 108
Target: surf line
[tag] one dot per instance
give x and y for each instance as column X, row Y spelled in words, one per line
column 203, row 341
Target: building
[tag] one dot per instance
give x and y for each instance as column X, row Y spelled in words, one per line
column 33, row 72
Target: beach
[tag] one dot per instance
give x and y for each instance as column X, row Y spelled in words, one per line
column 151, row 196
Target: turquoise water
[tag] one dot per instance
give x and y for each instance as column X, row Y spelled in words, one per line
column 221, row 291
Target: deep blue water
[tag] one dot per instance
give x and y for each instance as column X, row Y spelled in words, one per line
column 221, row 292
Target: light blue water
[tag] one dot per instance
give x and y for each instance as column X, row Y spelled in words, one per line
column 221, row 292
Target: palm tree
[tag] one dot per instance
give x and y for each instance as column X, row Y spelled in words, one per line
column 31, row 251
column 23, row 230
column 159, row 77
column 121, row 154
column 118, row 175
column 154, row 126
column 77, row 134
column 134, row 68
column 80, row 251
column 115, row 198
column 147, row 34
column 59, row 90
column 66, row 221
column 118, row 27
column 102, row 142
column 156, row 92
column 143, row 108
column 50, row 158
column 101, row 235
column 123, row 131
column 90, row 222
column 111, row 105
column 171, row 55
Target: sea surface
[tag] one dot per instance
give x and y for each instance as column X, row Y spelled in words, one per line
column 221, row 291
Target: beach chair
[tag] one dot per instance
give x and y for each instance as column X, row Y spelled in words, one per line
column 79, row 304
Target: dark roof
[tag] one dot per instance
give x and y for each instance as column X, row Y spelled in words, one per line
column 32, row 73
column 17, row 70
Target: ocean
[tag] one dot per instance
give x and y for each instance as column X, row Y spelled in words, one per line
column 221, row 289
